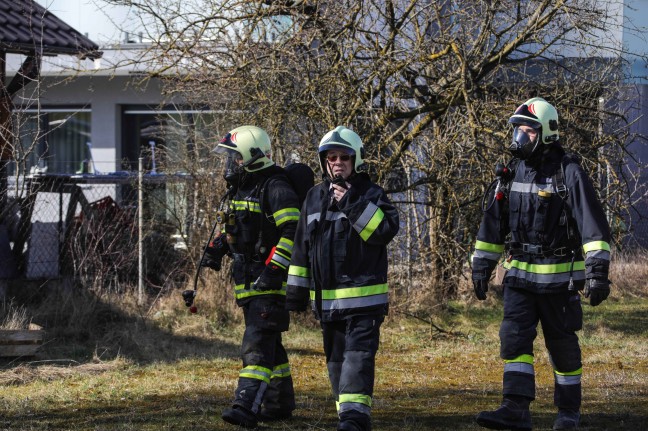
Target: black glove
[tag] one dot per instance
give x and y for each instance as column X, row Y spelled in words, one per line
column 597, row 290
column 296, row 306
column 214, row 253
column 480, row 284
column 271, row 278
column 297, row 298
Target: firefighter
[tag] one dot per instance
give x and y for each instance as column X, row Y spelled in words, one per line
column 264, row 211
column 340, row 263
column 559, row 245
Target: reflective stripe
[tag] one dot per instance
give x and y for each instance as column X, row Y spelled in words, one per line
column 354, row 292
column 530, row 187
column 519, row 367
column 245, row 205
column 546, row 278
column 240, row 291
column 521, row 364
column 286, row 214
column 299, row 271
column 596, row 245
column 299, row 276
column 256, row 372
column 487, row 246
column 285, row 244
column 330, row 216
column 280, row 259
column 485, row 255
column 548, row 268
column 578, row 372
column 342, row 304
column 368, row 220
column 599, row 254
column 527, row 359
column 295, row 280
column 281, row 371
column 568, row 380
column 355, row 398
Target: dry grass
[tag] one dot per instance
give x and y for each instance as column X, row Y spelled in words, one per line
column 158, row 367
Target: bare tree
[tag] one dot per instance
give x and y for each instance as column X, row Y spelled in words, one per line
column 428, row 85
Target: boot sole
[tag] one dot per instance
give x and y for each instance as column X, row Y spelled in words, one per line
column 485, row 423
column 235, row 420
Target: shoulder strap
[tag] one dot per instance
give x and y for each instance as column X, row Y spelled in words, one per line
column 559, row 180
column 265, row 184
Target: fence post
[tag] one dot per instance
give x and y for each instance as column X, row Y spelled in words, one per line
column 140, row 229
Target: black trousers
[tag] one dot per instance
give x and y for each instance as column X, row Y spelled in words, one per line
column 350, row 346
column 265, row 379
column 560, row 315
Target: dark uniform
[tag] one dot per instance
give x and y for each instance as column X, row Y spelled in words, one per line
column 559, row 244
column 559, row 238
column 262, row 237
column 340, row 263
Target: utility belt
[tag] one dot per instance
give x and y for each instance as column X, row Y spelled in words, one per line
column 538, row 250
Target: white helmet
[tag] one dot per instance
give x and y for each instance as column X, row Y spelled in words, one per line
column 252, row 145
column 346, row 139
column 540, row 115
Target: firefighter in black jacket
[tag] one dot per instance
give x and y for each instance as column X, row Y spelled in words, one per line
column 340, row 263
column 559, row 244
column 265, row 212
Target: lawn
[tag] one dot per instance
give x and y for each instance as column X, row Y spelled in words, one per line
column 431, row 374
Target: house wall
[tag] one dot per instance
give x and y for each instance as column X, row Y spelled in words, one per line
column 105, row 95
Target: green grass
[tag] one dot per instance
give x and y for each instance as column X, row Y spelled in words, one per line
column 433, row 373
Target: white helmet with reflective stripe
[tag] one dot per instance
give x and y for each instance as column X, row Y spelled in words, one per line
column 539, row 114
column 345, row 139
column 253, row 145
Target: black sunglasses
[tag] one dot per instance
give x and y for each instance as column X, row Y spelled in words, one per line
column 343, row 157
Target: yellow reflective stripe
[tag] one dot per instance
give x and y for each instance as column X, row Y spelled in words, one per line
column 286, row 214
column 578, row 372
column 596, row 245
column 299, row 271
column 283, row 254
column 355, row 398
column 527, row 359
column 370, row 227
column 280, row 371
column 487, row 246
column 240, row 292
column 246, row 205
column 285, row 244
column 554, row 268
column 256, row 372
column 353, row 292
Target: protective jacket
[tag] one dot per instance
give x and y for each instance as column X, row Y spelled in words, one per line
column 263, row 231
column 340, row 255
column 559, row 235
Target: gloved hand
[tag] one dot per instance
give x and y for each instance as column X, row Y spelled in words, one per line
column 271, row 278
column 480, row 283
column 297, row 298
column 597, row 290
column 214, row 253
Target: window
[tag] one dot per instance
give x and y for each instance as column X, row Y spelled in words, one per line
column 52, row 140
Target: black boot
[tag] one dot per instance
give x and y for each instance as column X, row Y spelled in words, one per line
column 354, row 421
column 240, row 416
column 266, row 415
column 567, row 420
column 509, row 416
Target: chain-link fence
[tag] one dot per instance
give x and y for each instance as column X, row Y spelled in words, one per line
column 88, row 227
